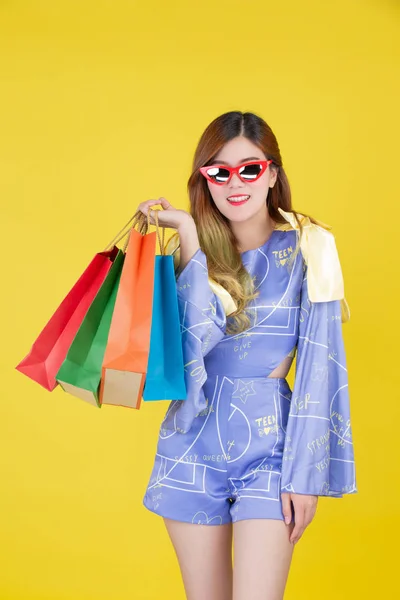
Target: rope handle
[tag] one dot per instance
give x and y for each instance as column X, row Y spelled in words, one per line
column 161, row 240
column 142, row 224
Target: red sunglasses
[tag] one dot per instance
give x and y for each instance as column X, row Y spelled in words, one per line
column 247, row 172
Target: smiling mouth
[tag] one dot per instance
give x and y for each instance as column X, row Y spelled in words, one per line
column 238, row 200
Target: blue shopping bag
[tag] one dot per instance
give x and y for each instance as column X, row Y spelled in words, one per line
column 165, row 378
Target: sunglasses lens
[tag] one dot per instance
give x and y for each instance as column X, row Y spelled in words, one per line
column 250, row 172
column 217, row 174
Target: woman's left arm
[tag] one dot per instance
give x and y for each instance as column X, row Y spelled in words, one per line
column 318, row 457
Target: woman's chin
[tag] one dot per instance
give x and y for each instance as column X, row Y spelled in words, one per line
column 237, row 215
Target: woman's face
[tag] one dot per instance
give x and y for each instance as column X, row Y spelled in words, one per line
column 235, row 152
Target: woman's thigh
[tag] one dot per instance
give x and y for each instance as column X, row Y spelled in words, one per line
column 262, row 557
column 204, row 554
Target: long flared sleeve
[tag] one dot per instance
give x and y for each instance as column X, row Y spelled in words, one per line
column 203, row 323
column 318, row 456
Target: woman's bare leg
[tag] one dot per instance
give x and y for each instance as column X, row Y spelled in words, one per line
column 262, row 557
column 205, row 558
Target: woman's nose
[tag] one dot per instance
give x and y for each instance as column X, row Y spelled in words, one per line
column 235, row 179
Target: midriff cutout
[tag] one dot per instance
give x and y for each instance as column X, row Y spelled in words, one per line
column 283, row 368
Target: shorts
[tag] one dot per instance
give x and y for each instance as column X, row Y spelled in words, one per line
column 227, row 467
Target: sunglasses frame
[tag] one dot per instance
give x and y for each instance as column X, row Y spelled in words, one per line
column 264, row 164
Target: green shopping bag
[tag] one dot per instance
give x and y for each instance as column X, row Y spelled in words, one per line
column 80, row 373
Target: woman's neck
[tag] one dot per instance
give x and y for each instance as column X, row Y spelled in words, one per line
column 254, row 232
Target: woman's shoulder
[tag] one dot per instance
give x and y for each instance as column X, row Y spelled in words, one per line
column 318, row 248
column 316, row 237
column 306, row 222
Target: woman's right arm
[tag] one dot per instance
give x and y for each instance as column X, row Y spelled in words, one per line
column 201, row 312
column 188, row 241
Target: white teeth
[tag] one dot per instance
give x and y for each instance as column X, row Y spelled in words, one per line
column 238, row 198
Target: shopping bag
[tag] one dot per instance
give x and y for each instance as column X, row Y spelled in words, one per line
column 127, row 352
column 80, row 373
column 50, row 348
column 165, row 372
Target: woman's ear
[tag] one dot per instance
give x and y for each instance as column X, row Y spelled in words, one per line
column 274, row 176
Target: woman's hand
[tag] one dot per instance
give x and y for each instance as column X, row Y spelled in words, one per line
column 169, row 217
column 305, row 507
column 177, row 219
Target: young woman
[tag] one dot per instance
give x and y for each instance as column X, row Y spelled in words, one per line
column 244, row 456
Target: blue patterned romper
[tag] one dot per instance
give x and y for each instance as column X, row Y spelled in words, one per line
column 240, row 438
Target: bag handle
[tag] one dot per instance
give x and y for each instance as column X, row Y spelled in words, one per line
column 142, row 223
column 134, row 220
column 161, row 240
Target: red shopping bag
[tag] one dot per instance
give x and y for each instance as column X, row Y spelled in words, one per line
column 50, row 348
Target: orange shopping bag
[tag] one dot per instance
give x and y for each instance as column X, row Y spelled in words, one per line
column 126, row 356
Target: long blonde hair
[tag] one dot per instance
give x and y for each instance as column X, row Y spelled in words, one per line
column 216, row 238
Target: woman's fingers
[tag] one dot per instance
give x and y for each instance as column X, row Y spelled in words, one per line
column 286, row 508
column 144, row 206
column 305, row 507
column 299, row 525
column 168, row 217
column 165, row 204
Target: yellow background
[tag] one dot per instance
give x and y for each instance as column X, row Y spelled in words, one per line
column 102, row 104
